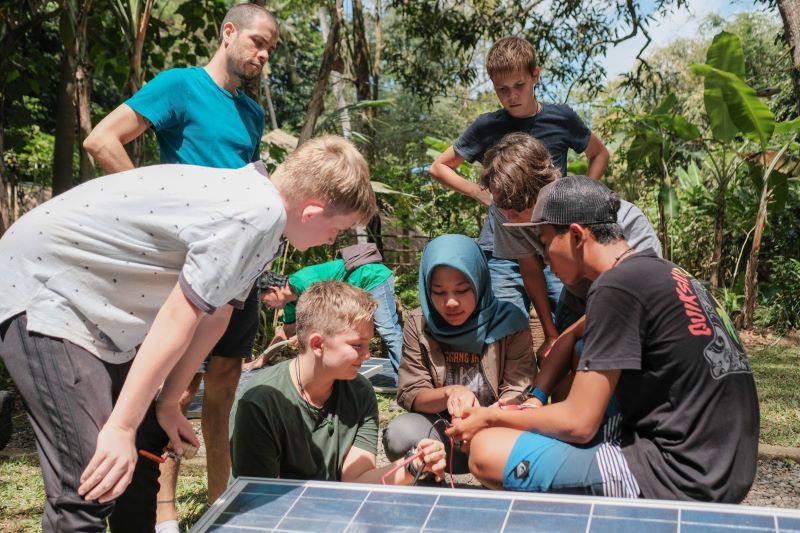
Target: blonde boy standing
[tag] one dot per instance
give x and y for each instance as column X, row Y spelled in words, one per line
column 156, row 257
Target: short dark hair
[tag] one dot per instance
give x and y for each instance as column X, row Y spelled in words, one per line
column 515, row 169
column 605, row 233
column 243, row 15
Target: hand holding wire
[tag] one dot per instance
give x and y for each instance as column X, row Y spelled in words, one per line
column 458, row 398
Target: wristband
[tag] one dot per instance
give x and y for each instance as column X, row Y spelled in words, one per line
column 539, row 394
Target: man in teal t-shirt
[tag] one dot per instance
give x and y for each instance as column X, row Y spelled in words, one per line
column 198, row 122
column 375, row 278
column 202, row 117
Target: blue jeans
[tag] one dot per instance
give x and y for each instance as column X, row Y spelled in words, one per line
column 386, row 323
column 507, row 282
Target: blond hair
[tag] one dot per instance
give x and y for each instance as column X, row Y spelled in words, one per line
column 515, row 169
column 510, row 55
column 331, row 307
column 329, row 169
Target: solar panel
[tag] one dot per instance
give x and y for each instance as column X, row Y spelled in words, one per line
column 258, row 505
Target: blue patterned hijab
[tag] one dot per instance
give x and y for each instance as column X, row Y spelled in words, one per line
column 492, row 319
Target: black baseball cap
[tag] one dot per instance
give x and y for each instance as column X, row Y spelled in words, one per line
column 573, row 200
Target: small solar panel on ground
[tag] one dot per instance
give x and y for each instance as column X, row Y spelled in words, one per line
column 258, row 505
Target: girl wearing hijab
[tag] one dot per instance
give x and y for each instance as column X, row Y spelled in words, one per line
column 462, row 347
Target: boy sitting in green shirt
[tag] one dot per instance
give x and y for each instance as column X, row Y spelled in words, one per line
column 315, row 417
column 375, row 278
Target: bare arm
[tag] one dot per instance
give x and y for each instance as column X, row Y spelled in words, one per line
column 208, row 334
column 559, row 362
column 452, row 397
column 532, row 272
column 443, row 171
column 106, row 141
column 111, row 468
column 576, row 419
column 597, row 153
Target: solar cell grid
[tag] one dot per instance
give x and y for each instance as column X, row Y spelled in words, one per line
column 295, row 506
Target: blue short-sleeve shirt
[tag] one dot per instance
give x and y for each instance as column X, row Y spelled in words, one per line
column 197, row 122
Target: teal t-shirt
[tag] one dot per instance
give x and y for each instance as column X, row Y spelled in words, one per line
column 197, row 122
column 365, row 277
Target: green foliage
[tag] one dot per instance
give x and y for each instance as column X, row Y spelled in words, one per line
column 739, row 101
column 780, row 305
column 725, row 53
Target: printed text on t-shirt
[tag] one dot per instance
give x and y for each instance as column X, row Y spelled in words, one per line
column 698, row 323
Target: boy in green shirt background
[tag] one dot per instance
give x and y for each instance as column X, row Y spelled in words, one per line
column 374, row 277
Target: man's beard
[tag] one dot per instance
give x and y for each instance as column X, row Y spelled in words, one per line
column 238, row 68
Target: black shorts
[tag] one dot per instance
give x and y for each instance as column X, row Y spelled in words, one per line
column 238, row 339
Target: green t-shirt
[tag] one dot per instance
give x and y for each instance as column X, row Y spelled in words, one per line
column 275, row 433
column 365, row 277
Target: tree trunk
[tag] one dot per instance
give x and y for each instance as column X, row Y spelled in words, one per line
column 751, row 275
column 83, row 92
column 790, row 14
column 376, row 60
column 136, row 74
column 65, row 115
column 361, row 64
column 273, row 121
column 317, row 102
column 83, row 95
column 662, row 220
column 719, row 235
column 336, row 80
column 362, row 70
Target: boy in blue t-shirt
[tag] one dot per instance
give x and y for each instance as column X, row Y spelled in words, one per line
column 512, row 66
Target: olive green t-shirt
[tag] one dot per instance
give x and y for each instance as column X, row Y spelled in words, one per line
column 275, row 433
column 365, row 277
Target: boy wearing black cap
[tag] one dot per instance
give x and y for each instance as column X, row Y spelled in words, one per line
column 656, row 339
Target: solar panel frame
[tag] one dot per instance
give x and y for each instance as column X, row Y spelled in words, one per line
column 435, row 509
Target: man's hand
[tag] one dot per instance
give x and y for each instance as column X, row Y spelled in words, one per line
column 473, row 420
column 177, row 427
column 434, row 458
column 458, row 398
column 110, row 470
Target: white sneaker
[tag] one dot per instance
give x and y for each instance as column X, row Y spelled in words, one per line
column 168, row 526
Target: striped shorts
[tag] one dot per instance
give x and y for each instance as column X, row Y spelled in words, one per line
column 544, row 464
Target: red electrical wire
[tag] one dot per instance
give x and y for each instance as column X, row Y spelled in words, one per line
column 397, row 467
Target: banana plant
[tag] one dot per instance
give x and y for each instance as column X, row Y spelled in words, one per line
column 658, row 138
column 734, row 111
